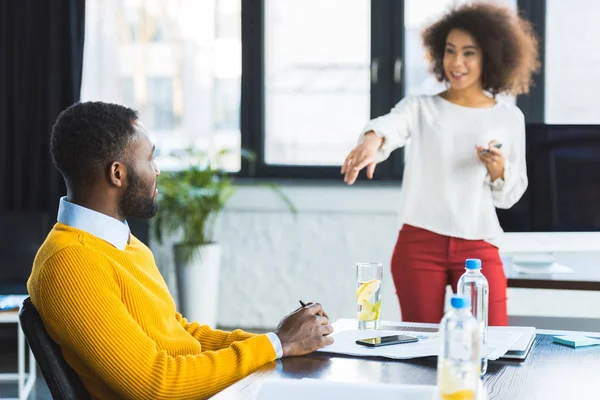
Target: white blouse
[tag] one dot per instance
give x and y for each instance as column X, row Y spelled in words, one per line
column 446, row 188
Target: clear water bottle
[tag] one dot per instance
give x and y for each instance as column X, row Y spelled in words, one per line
column 473, row 285
column 458, row 375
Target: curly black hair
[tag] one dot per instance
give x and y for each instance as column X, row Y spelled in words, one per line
column 87, row 137
column 508, row 42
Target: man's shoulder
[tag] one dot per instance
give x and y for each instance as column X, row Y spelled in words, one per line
column 65, row 252
column 57, row 240
column 63, row 258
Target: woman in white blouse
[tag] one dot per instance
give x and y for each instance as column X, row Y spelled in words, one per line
column 467, row 157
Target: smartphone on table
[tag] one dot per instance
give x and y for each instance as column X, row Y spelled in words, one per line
column 386, row 340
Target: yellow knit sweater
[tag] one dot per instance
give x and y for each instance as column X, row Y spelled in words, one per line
column 115, row 321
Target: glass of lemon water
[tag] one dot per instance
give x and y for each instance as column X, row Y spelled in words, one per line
column 368, row 294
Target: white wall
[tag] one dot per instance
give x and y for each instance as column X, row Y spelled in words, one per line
column 271, row 259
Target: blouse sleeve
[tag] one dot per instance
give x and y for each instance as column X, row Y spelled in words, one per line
column 394, row 127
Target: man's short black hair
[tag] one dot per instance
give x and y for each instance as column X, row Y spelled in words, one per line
column 87, row 137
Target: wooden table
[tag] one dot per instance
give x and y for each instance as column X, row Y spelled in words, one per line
column 551, row 371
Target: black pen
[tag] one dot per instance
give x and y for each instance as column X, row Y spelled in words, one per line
column 321, row 313
column 485, row 151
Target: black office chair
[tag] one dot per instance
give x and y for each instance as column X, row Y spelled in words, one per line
column 61, row 379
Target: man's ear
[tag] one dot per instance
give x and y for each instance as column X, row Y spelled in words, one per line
column 117, row 174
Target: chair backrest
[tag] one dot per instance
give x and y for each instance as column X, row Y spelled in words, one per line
column 62, row 381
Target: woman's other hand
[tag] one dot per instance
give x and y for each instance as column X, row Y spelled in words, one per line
column 362, row 156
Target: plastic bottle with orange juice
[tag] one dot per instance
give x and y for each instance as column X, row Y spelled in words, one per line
column 459, row 363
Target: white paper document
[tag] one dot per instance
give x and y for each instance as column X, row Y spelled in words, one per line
column 521, row 348
column 315, row 389
column 500, row 341
column 429, row 344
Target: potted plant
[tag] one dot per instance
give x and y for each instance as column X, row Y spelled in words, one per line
column 190, row 199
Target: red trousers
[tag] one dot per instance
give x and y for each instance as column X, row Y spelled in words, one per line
column 423, row 264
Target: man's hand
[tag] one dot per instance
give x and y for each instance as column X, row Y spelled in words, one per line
column 361, row 156
column 304, row 331
column 493, row 160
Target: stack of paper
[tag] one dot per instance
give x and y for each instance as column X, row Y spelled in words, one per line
column 521, row 348
column 314, row 389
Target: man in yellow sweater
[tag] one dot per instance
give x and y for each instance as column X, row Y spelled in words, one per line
column 100, row 294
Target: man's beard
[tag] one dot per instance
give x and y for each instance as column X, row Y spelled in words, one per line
column 137, row 202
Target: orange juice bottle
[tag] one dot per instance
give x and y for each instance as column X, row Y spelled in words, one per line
column 459, row 365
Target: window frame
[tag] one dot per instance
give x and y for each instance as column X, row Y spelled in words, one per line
column 384, row 93
column 533, row 104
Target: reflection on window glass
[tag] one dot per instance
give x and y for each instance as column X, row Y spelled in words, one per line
column 126, row 90
column 317, row 79
column 160, row 106
column 178, row 62
column 572, row 60
column 227, row 113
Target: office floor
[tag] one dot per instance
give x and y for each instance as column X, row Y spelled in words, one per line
column 8, row 363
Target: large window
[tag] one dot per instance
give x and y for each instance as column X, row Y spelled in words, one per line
column 309, row 76
column 176, row 61
column 314, row 73
column 316, row 79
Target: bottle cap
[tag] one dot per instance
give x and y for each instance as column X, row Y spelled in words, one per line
column 460, row 302
column 473, row 263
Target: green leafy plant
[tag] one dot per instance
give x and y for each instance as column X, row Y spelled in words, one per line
column 190, row 199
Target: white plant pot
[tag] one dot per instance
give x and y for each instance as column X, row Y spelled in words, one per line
column 198, row 283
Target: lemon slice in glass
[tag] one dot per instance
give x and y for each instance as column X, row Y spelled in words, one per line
column 369, row 311
column 366, row 290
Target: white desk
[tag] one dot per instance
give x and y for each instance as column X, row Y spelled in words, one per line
column 25, row 380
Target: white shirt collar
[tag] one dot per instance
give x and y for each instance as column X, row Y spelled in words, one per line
column 100, row 225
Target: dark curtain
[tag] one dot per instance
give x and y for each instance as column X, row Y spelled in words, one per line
column 41, row 56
